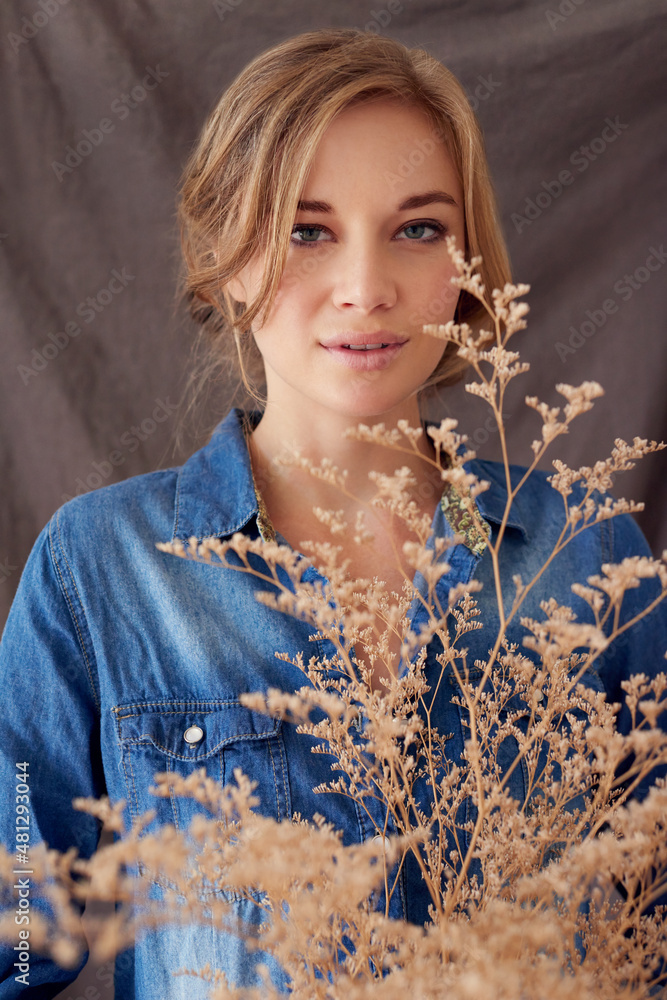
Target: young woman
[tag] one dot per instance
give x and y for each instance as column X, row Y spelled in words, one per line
column 315, row 210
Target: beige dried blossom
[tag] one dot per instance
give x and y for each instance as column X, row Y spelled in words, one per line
column 525, row 898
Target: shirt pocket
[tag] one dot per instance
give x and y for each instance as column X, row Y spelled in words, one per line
column 180, row 737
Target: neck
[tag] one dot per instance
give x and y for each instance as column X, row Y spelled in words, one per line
column 322, row 436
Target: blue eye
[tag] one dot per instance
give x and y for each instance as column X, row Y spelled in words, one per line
column 415, row 232
column 311, row 234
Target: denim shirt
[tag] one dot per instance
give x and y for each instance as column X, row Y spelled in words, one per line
column 114, row 649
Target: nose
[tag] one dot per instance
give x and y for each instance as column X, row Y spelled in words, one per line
column 363, row 280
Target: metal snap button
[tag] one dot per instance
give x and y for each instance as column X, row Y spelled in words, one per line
column 379, row 839
column 193, row 734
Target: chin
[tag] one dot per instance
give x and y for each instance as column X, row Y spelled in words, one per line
column 381, row 407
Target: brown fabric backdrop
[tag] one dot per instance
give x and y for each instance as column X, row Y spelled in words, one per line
column 94, row 355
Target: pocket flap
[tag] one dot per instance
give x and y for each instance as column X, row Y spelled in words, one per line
column 191, row 730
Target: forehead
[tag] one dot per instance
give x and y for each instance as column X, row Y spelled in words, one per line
column 383, row 108
column 385, row 146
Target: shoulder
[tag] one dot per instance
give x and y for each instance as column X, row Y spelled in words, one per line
column 141, row 505
column 210, row 495
column 540, row 511
column 536, row 507
column 537, row 527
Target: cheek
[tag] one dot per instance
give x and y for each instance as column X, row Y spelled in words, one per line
column 434, row 297
column 298, row 289
column 435, row 350
column 288, row 320
column 287, row 304
column 444, row 288
column 304, row 268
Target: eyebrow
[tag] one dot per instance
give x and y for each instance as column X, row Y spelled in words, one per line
column 414, row 201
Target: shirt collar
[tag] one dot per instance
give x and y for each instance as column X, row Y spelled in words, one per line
column 492, row 502
column 216, row 496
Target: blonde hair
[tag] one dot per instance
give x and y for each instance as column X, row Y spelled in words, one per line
column 241, row 185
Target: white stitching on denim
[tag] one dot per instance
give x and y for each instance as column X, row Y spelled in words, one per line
column 69, row 602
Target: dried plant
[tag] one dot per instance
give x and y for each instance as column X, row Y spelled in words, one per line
column 551, row 897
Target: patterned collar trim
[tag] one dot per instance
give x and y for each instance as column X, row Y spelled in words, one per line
column 266, row 529
column 465, row 519
column 264, row 525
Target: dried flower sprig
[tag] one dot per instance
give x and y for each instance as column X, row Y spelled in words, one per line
column 547, row 897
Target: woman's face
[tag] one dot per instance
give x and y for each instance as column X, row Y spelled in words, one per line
column 367, row 267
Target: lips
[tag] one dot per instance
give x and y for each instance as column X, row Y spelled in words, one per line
column 373, row 340
column 365, row 347
column 361, row 351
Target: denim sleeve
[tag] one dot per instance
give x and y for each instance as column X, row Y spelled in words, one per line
column 50, row 728
column 641, row 648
